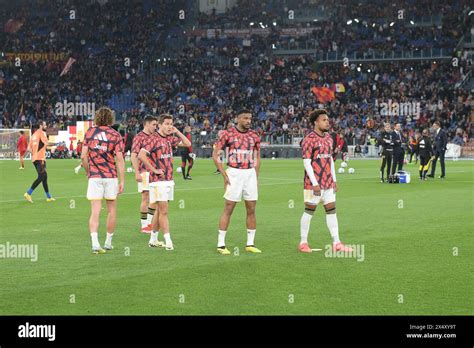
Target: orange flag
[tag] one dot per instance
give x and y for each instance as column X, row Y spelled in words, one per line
column 323, row 94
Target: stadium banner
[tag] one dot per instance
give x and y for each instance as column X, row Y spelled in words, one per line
column 245, row 33
column 37, row 56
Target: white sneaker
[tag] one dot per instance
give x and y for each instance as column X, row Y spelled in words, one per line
column 156, row 244
column 108, row 247
column 169, row 248
column 77, row 169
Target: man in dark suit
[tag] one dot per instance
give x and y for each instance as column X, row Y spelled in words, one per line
column 440, row 143
column 398, row 152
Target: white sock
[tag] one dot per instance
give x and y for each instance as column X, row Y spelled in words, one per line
column 168, row 241
column 304, row 227
column 331, row 221
column 221, row 239
column 149, row 218
column 95, row 240
column 108, row 240
column 154, row 236
column 250, row 237
column 144, row 222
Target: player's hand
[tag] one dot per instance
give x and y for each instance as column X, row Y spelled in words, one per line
column 138, row 177
column 121, row 185
column 317, row 190
column 159, row 172
column 174, row 130
column 335, row 187
column 226, row 180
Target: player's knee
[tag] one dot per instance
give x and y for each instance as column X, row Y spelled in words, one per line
column 330, row 209
column 309, row 209
column 250, row 210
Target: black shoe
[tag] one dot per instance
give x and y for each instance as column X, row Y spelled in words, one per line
column 217, row 172
column 430, row 176
column 188, row 177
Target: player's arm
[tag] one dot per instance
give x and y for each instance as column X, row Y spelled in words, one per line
column 84, row 161
column 217, row 160
column 333, row 174
column 257, row 160
column 143, row 156
column 120, row 163
column 134, row 160
column 184, row 139
column 310, row 172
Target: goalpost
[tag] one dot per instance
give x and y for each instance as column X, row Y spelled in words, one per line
column 9, row 139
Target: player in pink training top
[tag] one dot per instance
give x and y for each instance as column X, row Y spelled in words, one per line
column 102, row 158
column 157, row 156
column 142, row 177
column 319, row 179
column 242, row 146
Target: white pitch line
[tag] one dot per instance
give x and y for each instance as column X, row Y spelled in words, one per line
column 183, row 189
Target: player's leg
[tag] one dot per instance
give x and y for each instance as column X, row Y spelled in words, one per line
column 190, row 166
column 331, row 220
column 111, row 189
column 22, row 160
column 96, row 207
column 224, row 222
column 111, row 220
column 164, row 223
column 155, row 222
column 232, row 195
column 183, row 166
column 144, row 218
column 305, row 223
column 250, row 195
column 151, row 211
column 49, row 198
column 38, row 180
column 95, row 194
column 251, row 226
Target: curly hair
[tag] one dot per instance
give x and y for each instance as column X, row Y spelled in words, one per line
column 104, row 117
column 313, row 116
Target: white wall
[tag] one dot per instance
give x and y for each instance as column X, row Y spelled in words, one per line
column 220, row 5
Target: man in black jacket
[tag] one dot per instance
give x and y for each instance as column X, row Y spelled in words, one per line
column 398, row 152
column 387, row 150
column 440, row 143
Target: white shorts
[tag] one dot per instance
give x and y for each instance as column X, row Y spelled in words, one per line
column 143, row 186
column 327, row 196
column 99, row 188
column 161, row 191
column 243, row 182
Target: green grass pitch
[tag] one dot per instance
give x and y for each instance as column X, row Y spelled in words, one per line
column 417, row 240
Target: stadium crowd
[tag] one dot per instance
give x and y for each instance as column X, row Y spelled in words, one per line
column 203, row 79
